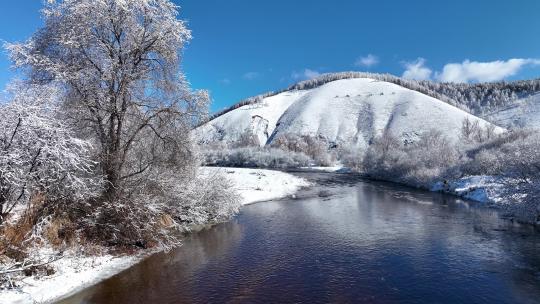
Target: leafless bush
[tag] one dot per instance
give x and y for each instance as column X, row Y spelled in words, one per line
column 417, row 164
column 514, row 155
column 256, row 157
column 472, row 132
column 513, row 158
column 207, row 200
column 316, row 148
column 246, row 139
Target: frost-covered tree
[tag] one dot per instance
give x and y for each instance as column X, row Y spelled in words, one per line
column 39, row 154
column 118, row 64
column 472, row 132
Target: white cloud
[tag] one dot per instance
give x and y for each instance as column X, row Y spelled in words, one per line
column 468, row 71
column 225, row 81
column 417, row 70
column 367, row 61
column 306, row 74
column 251, row 75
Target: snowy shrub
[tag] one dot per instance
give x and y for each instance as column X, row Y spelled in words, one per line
column 316, row 148
column 246, row 139
column 473, row 133
column 383, row 157
column 515, row 154
column 170, row 202
column 209, row 200
column 256, row 157
column 351, row 156
column 417, row 164
column 288, row 151
column 514, row 158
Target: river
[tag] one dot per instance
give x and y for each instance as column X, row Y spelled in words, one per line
column 344, row 241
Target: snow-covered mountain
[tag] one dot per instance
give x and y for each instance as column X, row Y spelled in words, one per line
column 352, row 111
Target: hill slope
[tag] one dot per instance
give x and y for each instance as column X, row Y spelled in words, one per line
column 523, row 112
column 346, row 111
column 479, row 99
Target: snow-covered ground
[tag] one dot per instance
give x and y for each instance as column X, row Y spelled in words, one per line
column 351, row 111
column 259, row 118
column 258, row 185
column 75, row 273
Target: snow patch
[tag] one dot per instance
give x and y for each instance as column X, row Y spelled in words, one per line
column 258, row 185
column 73, row 274
column 483, row 189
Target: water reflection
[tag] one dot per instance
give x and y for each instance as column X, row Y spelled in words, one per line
column 369, row 242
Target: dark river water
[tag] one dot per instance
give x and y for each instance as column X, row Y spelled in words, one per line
column 342, row 242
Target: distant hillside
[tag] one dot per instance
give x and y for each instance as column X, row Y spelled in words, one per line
column 479, row 98
column 351, row 111
column 522, row 112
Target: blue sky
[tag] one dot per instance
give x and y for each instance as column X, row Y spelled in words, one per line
column 242, row 47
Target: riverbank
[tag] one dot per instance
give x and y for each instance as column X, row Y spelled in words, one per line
column 74, row 272
column 510, row 197
column 494, row 191
column 482, row 189
column 259, row 185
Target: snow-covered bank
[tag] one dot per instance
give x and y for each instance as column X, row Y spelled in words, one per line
column 495, row 191
column 74, row 273
column 330, row 169
column 258, row 185
column 483, row 189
